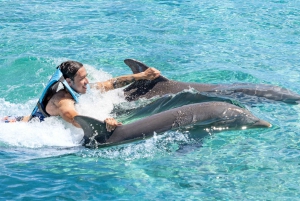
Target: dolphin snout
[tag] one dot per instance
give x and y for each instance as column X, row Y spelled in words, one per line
column 262, row 124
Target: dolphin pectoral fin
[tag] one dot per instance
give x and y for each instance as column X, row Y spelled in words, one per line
column 138, row 67
column 94, row 130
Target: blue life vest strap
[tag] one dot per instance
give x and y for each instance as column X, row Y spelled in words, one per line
column 50, row 90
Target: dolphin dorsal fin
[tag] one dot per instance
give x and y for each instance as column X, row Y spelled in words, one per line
column 138, row 67
column 94, row 130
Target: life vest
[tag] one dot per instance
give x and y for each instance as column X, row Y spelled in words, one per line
column 51, row 88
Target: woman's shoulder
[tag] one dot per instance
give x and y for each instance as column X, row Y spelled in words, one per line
column 60, row 95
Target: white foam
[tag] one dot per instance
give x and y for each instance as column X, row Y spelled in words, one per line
column 51, row 132
column 99, row 105
column 54, row 131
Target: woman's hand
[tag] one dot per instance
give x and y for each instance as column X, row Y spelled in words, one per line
column 111, row 124
column 150, row 74
column 9, row 119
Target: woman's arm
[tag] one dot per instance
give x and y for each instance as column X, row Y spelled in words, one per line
column 67, row 112
column 118, row 82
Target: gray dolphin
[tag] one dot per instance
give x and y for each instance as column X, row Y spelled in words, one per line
column 200, row 115
column 161, row 86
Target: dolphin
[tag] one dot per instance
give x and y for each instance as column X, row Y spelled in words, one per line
column 210, row 115
column 166, row 102
column 246, row 92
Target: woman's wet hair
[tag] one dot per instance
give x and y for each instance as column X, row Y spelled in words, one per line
column 70, row 68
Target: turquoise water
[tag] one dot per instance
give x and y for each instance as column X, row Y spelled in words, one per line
column 206, row 42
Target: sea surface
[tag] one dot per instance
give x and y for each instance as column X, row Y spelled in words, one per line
column 208, row 41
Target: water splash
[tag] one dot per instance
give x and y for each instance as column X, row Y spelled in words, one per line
column 54, row 131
